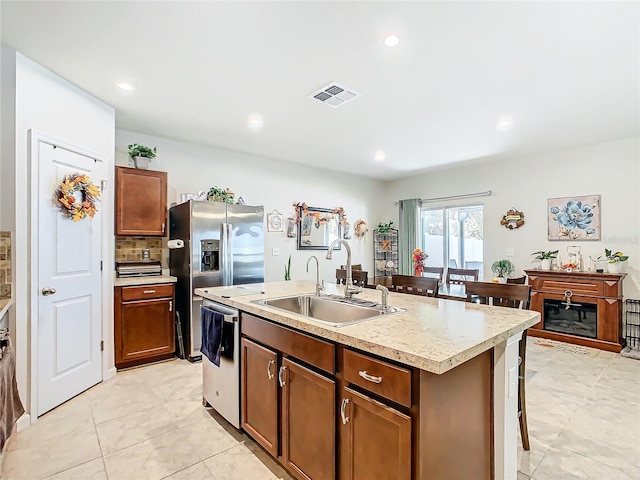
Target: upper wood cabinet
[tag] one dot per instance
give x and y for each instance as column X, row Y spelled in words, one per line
column 141, row 202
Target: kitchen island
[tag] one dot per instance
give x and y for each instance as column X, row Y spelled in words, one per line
column 447, row 407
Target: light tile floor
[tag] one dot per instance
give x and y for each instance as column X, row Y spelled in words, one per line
column 149, row 423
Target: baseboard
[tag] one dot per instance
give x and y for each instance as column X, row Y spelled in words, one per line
column 110, row 374
column 23, row 422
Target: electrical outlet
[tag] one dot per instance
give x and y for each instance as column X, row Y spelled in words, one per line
column 275, row 252
column 510, row 252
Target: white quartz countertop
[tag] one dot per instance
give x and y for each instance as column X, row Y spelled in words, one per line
column 434, row 334
column 146, row 280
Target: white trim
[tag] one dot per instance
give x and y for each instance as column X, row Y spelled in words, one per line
column 34, row 137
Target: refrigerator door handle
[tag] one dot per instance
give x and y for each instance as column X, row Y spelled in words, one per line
column 230, row 253
column 224, row 248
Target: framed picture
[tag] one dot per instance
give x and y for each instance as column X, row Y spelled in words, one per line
column 274, row 221
column 574, row 218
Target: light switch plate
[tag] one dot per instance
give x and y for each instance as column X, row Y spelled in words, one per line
column 275, row 252
column 510, row 252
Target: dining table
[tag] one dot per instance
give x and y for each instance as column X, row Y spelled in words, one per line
column 449, row 291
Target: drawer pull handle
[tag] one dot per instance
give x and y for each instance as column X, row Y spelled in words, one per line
column 343, row 406
column 369, row 378
column 270, row 375
column 280, row 379
column 148, row 291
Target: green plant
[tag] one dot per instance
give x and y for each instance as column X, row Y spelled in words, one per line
column 542, row 255
column 217, row 194
column 287, row 269
column 503, row 268
column 384, row 227
column 613, row 257
column 136, row 150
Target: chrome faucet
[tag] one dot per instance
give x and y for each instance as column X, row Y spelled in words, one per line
column 349, row 288
column 385, row 297
column 319, row 286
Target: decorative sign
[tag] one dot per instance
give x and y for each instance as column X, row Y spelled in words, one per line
column 512, row 219
column 274, row 221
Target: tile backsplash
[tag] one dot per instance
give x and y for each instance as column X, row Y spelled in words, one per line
column 5, row 265
column 129, row 249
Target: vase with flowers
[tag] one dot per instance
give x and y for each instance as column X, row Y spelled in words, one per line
column 418, row 261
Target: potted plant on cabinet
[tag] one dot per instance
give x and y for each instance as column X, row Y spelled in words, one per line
column 141, row 155
column 545, row 258
column 503, row 269
column 614, row 264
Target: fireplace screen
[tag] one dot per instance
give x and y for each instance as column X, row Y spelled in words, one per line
column 575, row 318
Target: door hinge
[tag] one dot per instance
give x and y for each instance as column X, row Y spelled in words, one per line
column 103, row 185
column 102, row 345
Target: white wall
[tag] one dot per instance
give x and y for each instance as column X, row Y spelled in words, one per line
column 55, row 107
column 610, row 169
column 274, row 184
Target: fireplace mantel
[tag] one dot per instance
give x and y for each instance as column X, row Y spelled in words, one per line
column 601, row 295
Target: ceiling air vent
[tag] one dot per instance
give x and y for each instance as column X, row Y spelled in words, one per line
column 334, row 95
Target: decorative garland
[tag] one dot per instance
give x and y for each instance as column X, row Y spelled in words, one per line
column 72, row 206
column 302, row 209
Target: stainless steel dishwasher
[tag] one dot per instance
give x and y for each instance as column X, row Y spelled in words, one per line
column 221, row 385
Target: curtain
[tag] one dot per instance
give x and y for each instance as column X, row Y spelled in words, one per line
column 408, row 233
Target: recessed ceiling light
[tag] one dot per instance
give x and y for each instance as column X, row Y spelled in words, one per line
column 255, row 121
column 379, row 156
column 391, row 41
column 125, row 86
column 504, row 123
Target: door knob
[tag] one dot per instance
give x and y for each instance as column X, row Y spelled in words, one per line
column 48, row 291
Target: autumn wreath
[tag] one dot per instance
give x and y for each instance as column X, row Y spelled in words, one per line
column 77, row 196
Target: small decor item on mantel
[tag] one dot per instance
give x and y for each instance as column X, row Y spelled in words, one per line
column 77, row 196
column 418, row 260
column 217, row 194
column 512, row 219
column 141, row 155
column 545, row 258
column 502, row 269
column 360, row 229
column 614, row 263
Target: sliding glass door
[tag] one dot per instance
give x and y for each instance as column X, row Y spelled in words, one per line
column 452, row 236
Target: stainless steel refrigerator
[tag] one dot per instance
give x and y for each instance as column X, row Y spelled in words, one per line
column 223, row 245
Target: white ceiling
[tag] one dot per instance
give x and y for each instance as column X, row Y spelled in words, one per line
column 568, row 73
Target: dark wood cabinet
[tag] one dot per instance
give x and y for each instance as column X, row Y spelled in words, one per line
column 143, row 324
column 141, row 202
column 259, row 410
column 308, row 422
column 375, row 439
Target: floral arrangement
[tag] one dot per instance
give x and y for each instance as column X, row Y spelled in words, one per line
column 385, row 245
column 614, row 257
column 77, row 196
column 343, row 215
column 360, row 229
column 418, row 261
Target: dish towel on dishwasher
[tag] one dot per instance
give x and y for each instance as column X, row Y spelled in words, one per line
column 211, row 334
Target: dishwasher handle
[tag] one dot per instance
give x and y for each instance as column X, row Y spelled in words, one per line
column 223, row 309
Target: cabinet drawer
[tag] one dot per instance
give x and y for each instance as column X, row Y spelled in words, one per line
column 310, row 350
column 377, row 376
column 578, row 287
column 146, row 292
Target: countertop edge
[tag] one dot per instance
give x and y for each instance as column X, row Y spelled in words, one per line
column 145, row 280
column 339, row 335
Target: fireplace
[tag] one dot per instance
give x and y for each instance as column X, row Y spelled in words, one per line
column 584, row 308
column 573, row 318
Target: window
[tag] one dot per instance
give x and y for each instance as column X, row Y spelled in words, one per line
column 462, row 245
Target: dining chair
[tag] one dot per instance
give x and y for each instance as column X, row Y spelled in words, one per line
column 424, row 286
column 512, row 296
column 433, row 272
column 359, row 277
column 517, row 280
column 357, row 266
column 461, row 275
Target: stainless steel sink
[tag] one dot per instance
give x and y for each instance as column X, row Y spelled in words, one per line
column 330, row 309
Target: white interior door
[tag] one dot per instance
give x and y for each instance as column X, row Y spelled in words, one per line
column 68, row 259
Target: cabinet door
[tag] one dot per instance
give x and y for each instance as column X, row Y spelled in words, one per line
column 260, row 395
column 375, row 440
column 141, row 202
column 308, row 422
column 145, row 329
